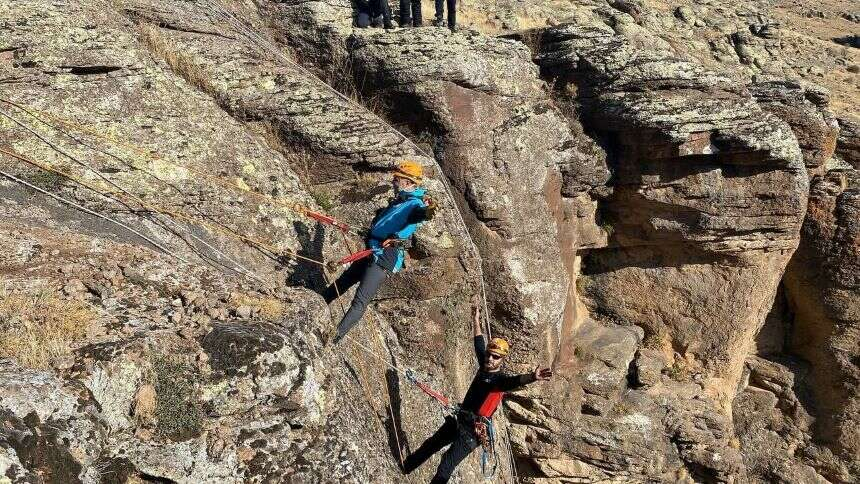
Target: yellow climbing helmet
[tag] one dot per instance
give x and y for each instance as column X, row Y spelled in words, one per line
column 498, row 347
column 411, row 170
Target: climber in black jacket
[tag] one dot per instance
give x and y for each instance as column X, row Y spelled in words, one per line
column 368, row 12
column 467, row 430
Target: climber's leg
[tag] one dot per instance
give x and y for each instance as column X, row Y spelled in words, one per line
column 417, row 17
column 370, row 282
column 463, row 445
column 440, row 12
column 355, row 271
column 362, row 20
column 405, row 13
column 442, row 437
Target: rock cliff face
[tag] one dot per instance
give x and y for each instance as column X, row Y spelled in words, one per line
column 638, row 203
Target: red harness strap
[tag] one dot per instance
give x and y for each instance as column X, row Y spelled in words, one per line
column 442, row 399
column 326, row 219
column 491, row 403
column 357, row 256
column 433, row 393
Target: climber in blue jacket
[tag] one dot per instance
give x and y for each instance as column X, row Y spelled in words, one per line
column 390, row 230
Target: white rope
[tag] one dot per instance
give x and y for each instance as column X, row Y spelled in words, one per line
column 239, row 268
column 90, row 212
column 253, row 36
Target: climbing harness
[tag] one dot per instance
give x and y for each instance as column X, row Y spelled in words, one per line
column 356, row 256
column 326, row 219
column 485, row 432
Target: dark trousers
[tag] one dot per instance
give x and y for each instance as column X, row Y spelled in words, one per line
column 452, row 11
column 369, row 276
column 366, row 18
column 410, row 13
column 462, row 441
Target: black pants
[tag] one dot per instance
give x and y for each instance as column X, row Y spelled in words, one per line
column 366, row 18
column 370, row 277
column 462, row 440
column 410, row 13
column 452, row 12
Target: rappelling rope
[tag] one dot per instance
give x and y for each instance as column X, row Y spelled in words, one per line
column 288, row 204
column 93, row 213
column 242, row 28
column 275, row 251
column 238, row 267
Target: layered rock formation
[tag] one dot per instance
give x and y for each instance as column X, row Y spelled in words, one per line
column 634, row 202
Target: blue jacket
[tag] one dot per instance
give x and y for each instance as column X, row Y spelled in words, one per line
column 394, row 222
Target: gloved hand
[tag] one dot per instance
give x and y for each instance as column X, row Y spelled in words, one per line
column 430, row 209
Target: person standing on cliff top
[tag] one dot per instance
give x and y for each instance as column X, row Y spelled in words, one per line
column 472, row 424
column 368, row 13
column 390, row 231
column 410, row 13
column 440, row 14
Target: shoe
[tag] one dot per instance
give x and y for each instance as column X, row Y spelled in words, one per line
column 388, row 25
column 439, row 22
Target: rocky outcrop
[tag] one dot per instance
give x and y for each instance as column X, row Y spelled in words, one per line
column 848, row 145
column 708, row 192
column 187, row 376
column 603, row 423
column 691, row 205
column 770, row 414
column 805, row 109
column 634, row 203
column 823, row 296
column 173, row 129
column 500, row 143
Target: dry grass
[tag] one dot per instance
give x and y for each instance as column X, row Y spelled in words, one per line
column 342, row 77
column 268, row 308
column 366, row 181
column 180, row 62
column 270, row 136
column 38, row 328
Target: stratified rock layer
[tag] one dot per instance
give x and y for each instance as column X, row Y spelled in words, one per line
column 708, row 192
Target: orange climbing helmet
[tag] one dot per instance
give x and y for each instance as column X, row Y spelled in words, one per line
column 411, row 170
column 498, row 347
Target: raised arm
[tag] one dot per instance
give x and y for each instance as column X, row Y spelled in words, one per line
column 424, row 212
column 480, row 341
column 476, row 321
column 516, row 381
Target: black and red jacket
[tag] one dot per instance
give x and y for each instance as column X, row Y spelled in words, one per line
column 488, row 388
